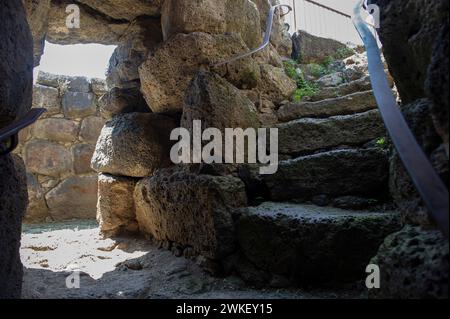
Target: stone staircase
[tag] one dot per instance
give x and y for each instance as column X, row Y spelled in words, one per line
column 327, row 213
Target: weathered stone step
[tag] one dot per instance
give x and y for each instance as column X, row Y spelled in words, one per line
column 309, row 135
column 360, row 85
column 334, row 173
column 349, row 104
column 310, row 244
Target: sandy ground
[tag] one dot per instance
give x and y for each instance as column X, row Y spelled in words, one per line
column 127, row 268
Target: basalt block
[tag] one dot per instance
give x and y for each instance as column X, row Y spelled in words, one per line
column 190, row 210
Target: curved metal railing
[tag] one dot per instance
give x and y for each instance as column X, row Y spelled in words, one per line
column 430, row 186
column 267, row 35
column 11, row 132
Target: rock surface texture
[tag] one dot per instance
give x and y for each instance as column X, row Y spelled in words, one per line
column 16, row 75
column 420, row 69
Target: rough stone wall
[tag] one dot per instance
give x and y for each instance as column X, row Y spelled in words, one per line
column 58, row 148
column 415, row 39
column 16, row 73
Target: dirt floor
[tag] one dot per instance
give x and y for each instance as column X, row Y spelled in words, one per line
column 129, row 268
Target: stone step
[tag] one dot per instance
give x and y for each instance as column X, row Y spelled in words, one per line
column 358, row 172
column 349, row 104
column 309, row 135
column 309, row 244
column 360, row 85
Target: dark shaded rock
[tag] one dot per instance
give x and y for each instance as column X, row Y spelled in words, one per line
column 121, row 101
column 352, row 203
column 16, row 63
column 134, row 145
column 407, row 198
column 16, row 84
column 334, row 173
column 13, row 204
column 438, row 83
column 289, row 240
column 414, row 264
column 307, row 135
column 37, row 15
column 190, row 210
column 116, row 212
column 311, row 49
column 345, row 105
column 409, row 30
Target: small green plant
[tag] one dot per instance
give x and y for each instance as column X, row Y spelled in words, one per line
column 381, row 142
column 344, row 52
column 304, row 87
column 318, row 70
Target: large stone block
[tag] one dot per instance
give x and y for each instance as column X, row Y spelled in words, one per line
column 142, row 36
column 82, row 156
column 334, row 173
column 134, row 145
column 77, row 105
column 308, row 135
column 275, row 85
column 115, row 207
column 168, row 71
column 91, row 128
column 48, row 98
column 56, row 129
column 120, row 101
column 77, row 84
column 47, row 158
column 414, row 265
column 349, row 104
column 126, row 9
column 218, row 104
column 310, row 244
column 95, row 27
column 190, row 210
column 210, row 16
column 311, row 49
column 74, row 198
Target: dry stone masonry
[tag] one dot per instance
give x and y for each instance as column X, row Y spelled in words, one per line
column 58, row 148
column 103, row 148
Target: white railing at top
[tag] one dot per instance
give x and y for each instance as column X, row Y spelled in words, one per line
column 320, row 20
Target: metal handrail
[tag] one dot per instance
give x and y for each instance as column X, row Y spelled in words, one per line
column 267, row 35
column 426, row 180
column 11, row 132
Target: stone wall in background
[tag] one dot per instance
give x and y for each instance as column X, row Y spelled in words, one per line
column 57, row 150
